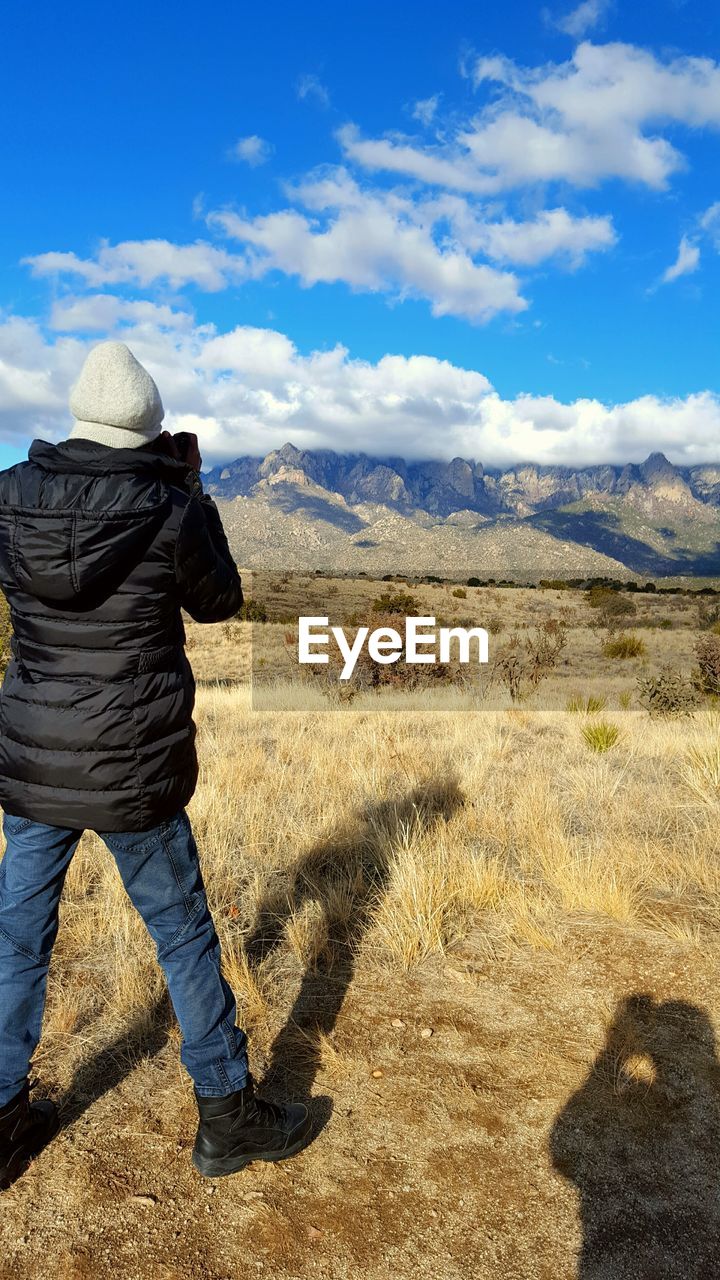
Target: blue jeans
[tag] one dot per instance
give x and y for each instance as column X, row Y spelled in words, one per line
column 161, row 873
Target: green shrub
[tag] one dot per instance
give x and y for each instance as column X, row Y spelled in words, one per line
column 400, row 602
column 668, row 693
column 252, row 611
column 707, row 674
column 461, row 593
column 625, row 646
column 522, row 664
column 600, row 735
column 625, row 699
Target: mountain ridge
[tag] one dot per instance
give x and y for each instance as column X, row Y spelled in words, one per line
column 651, row 517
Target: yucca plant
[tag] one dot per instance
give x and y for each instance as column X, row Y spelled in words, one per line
column 600, row 735
column 586, row 706
column 624, row 646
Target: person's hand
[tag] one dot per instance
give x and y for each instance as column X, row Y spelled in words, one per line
column 183, row 447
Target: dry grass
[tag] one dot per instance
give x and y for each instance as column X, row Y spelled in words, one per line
column 393, row 836
column 484, row 873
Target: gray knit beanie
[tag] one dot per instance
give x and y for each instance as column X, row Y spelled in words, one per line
column 115, row 401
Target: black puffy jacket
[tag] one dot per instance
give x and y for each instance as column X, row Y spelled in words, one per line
column 99, row 550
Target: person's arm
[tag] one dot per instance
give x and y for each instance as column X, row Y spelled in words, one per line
column 206, row 573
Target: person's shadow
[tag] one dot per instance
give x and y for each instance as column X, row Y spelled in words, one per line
column 345, row 874
column 145, row 1037
column 641, row 1142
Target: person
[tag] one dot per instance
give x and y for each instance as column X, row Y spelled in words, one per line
column 104, row 539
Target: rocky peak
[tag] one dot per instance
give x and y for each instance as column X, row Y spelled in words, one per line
column 460, row 477
column 287, row 456
column 663, row 479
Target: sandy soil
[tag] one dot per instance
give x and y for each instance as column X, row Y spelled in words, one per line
column 562, row 1120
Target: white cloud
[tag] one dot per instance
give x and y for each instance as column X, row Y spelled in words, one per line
column 146, row 261
column 436, row 166
column 99, row 312
column 252, row 150
column 375, row 244
column 249, row 390
column 552, row 233
column 584, row 18
column 687, row 261
column 372, row 240
column 710, row 223
column 424, row 110
column 595, row 117
column 308, row 86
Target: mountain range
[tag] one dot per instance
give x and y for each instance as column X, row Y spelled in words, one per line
column 304, row 509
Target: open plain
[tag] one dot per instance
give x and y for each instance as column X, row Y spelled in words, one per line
column 482, row 940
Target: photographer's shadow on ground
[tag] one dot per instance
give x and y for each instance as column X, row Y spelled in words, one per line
column 346, row 872
column 641, row 1142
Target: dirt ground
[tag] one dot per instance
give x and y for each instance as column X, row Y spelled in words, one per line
column 562, row 1120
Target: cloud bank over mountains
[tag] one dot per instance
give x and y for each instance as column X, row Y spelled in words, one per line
column 249, row 390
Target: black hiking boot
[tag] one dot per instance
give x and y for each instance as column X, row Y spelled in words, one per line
column 25, row 1128
column 242, row 1127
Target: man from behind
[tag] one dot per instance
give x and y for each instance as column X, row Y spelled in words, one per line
column 104, row 539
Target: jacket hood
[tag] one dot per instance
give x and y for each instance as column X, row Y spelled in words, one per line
column 78, row 516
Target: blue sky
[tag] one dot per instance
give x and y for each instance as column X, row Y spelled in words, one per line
column 413, row 228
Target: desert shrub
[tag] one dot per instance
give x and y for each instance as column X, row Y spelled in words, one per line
column 708, row 617
column 707, row 654
column 368, row 674
column 616, row 613
column 598, row 596
column 614, row 608
column 461, row 593
column 667, row 693
column 626, row 646
column 524, row 662
column 600, row 735
column 625, row 699
column 399, row 603
column 252, row 611
column 5, row 633
column 494, row 626
column 443, row 620
column 473, row 582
